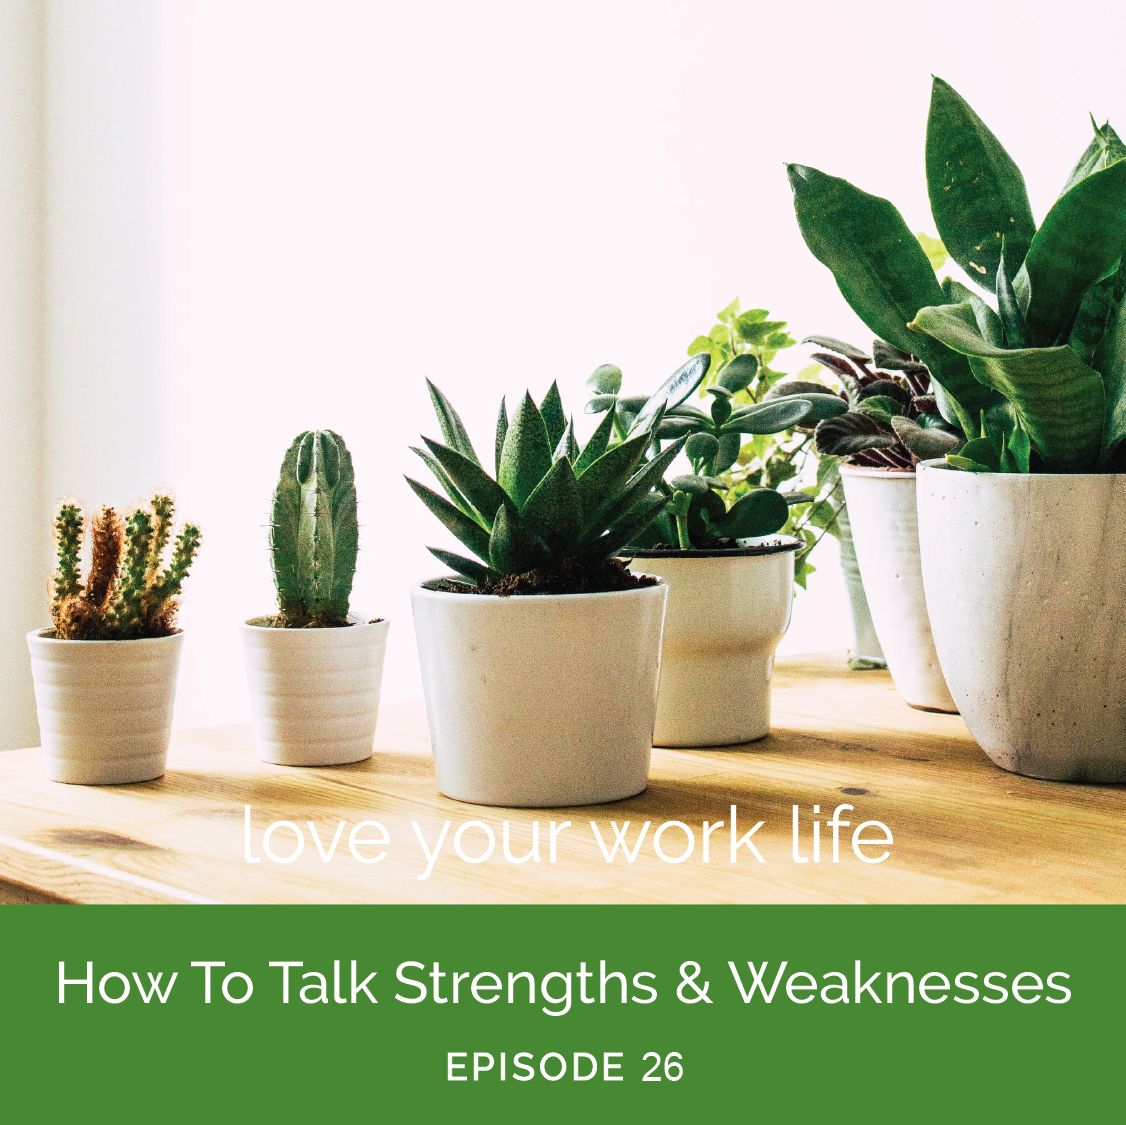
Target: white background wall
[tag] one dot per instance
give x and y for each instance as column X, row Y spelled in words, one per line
column 350, row 195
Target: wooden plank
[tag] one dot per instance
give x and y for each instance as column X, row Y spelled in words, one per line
column 964, row 830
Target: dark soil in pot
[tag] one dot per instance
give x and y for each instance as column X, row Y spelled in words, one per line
column 569, row 577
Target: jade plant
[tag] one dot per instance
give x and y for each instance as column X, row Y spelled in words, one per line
column 551, row 505
column 1036, row 381
column 892, row 419
column 314, row 533
column 133, row 585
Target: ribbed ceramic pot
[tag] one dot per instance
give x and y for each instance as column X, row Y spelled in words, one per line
column 1026, row 582
column 885, row 530
column 727, row 612
column 105, row 707
column 314, row 693
column 540, row 701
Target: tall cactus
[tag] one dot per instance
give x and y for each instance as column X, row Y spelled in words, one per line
column 314, row 533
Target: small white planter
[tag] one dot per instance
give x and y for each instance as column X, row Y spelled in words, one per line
column 105, row 707
column 314, row 693
column 881, row 510
column 727, row 612
column 542, row 700
column 1026, row 581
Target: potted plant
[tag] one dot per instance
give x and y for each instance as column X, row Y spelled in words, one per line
column 729, row 599
column 105, row 673
column 1022, row 566
column 540, row 657
column 314, row 668
column 892, row 423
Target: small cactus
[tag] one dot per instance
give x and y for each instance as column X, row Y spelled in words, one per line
column 128, row 594
column 314, row 533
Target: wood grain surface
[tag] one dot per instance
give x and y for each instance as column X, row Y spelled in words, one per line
column 964, row 831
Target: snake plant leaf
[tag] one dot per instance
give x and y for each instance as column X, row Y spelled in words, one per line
column 977, row 192
column 463, row 566
column 835, row 345
column 761, row 511
column 502, row 430
column 605, row 379
column 1058, row 397
column 626, row 530
column 448, row 486
column 881, row 270
column 988, row 322
column 1110, row 360
column 967, row 464
column 1012, row 318
column 1106, row 148
column 981, row 451
column 469, row 531
column 568, row 447
column 554, row 511
column 1079, row 243
column 673, row 391
column 768, row 417
column 452, row 429
column 610, row 473
column 925, row 442
column 526, row 456
column 471, row 480
column 640, row 485
column 852, row 433
column 596, row 445
column 513, row 547
column 739, row 373
column 551, row 411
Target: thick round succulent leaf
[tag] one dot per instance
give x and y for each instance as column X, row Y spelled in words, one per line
column 760, row 512
column 691, row 483
column 852, row 433
column 768, row 417
column 821, row 406
column 739, row 373
column 677, row 427
column 1079, row 242
column 719, row 391
column 795, row 387
column 600, row 403
column 701, row 447
column 526, row 456
column 977, row 193
column 513, row 548
column 729, row 446
column 632, row 403
column 605, row 379
column 925, row 443
column 888, row 389
column 686, row 410
column 1059, row 398
column 881, row 270
column 835, row 345
column 701, row 530
column 674, row 390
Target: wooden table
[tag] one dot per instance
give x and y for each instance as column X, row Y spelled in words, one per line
column 964, row 831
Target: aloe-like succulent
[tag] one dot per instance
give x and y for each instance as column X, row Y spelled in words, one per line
column 550, row 501
column 133, row 586
column 892, row 419
column 314, row 532
column 1036, row 381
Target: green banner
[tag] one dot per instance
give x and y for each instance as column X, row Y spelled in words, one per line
column 544, row 1013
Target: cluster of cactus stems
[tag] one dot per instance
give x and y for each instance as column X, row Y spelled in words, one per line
column 314, row 533
column 130, row 591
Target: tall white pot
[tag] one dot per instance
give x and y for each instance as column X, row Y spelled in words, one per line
column 105, row 707
column 885, row 530
column 314, row 693
column 1026, row 582
column 542, row 700
column 727, row 612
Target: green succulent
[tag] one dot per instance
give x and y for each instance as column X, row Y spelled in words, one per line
column 1036, row 381
column 550, row 500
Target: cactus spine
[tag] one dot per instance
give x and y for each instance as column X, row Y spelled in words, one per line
column 314, row 534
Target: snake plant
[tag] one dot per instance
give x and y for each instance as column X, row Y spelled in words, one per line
column 1036, row 380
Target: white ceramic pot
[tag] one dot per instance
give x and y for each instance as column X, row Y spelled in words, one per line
column 105, row 707
column 542, row 700
column 1026, row 583
column 314, row 693
column 727, row 612
column 881, row 511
